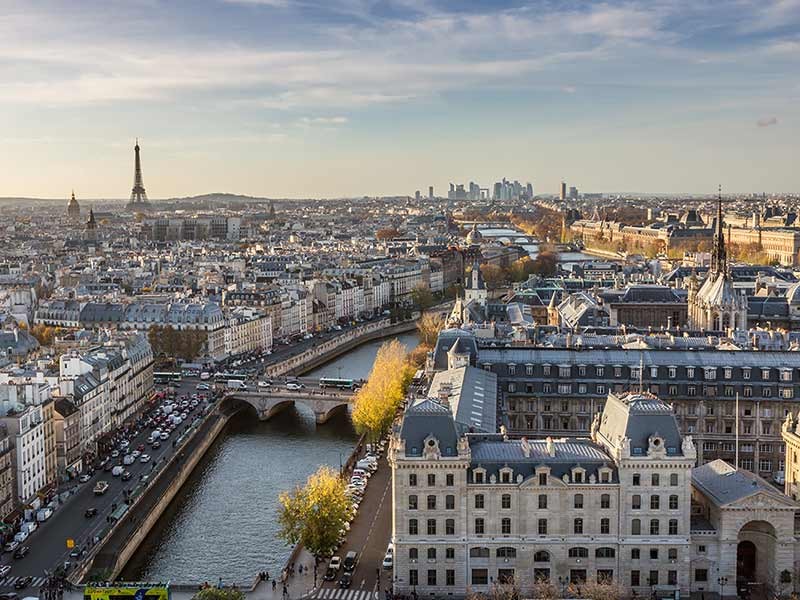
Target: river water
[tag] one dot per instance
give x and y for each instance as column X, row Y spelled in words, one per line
column 224, row 523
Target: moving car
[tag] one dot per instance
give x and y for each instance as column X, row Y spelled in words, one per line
column 126, row 476
column 84, row 478
column 346, row 579
column 90, row 512
column 23, row 582
column 100, row 488
column 350, row 560
column 294, row 386
column 203, row 387
column 5, row 570
column 144, row 458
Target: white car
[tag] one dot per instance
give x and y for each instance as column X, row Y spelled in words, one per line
column 144, row 458
column 388, row 561
column 294, row 386
column 84, row 478
column 336, row 563
column 203, row 387
column 164, row 436
column 263, row 384
column 5, row 570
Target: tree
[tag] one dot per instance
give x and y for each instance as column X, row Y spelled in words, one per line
column 493, row 275
column 315, row 514
column 45, row 334
column 376, row 403
column 544, row 590
column 521, row 269
column 545, row 263
column 601, row 590
column 428, row 327
column 215, row 593
column 422, row 296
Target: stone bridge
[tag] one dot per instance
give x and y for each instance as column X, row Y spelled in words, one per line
column 269, row 403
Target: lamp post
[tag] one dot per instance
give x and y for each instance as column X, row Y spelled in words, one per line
column 722, row 581
column 562, row 582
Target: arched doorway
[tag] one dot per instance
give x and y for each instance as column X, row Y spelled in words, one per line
column 746, row 562
column 755, row 558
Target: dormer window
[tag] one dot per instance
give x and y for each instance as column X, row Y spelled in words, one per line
column 578, row 475
column 506, row 475
column 479, row 475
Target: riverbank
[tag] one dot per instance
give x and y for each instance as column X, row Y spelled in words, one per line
column 239, row 511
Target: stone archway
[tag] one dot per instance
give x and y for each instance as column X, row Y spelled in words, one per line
column 755, row 557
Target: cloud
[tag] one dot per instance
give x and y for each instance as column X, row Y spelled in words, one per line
column 767, row 122
column 323, row 120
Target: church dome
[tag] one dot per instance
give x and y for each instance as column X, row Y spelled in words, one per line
column 793, row 294
column 474, row 236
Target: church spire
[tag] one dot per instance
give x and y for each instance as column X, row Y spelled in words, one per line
column 719, row 259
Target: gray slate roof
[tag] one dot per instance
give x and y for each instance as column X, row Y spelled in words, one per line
column 723, row 484
column 472, row 397
column 638, row 417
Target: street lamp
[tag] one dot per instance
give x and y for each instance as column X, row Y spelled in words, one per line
column 722, row 581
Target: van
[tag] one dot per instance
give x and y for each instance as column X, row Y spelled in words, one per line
column 117, row 471
column 235, row 384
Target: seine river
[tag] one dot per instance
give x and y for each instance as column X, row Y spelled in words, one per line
column 224, row 523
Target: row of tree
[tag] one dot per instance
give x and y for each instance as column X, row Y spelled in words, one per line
column 544, row 264
column 169, row 342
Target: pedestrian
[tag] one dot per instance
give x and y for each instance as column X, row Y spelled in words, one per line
column 300, row 569
column 273, row 585
column 266, row 576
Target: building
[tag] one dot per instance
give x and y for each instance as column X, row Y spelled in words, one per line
column 25, row 424
column 67, row 422
column 624, row 505
column 246, row 331
column 7, row 478
column 563, row 194
column 73, row 210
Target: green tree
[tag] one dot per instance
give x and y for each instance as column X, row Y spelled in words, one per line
column 314, row 515
column 422, row 296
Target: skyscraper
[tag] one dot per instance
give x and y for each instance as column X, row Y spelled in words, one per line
column 430, row 192
column 138, row 199
column 563, row 190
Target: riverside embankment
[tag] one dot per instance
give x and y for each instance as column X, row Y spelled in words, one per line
column 231, row 483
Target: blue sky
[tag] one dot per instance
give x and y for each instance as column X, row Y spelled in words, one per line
column 326, row 98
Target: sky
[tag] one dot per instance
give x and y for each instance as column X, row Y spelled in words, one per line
column 333, row 98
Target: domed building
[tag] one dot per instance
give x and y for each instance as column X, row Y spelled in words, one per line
column 73, row 209
column 717, row 306
column 474, row 237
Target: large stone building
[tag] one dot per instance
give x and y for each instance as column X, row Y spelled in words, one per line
column 556, row 391
column 472, row 510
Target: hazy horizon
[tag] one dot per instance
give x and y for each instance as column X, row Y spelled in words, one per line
column 347, row 98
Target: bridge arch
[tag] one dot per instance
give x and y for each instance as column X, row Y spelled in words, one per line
column 267, row 405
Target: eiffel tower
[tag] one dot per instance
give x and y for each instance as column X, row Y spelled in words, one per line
column 138, row 199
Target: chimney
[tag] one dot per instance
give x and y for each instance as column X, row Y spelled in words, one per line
column 526, row 447
column 551, row 449
column 504, row 432
column 444, row 392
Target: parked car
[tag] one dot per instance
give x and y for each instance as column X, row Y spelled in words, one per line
column 126, row 476
column 5, row 570
column 144, row 458
column 336, row 563
column 350, row 560
column 23, row 582
column 90, row 512
column 294, row 386
column 84, row 478
column 100, row 488
column 11, row 546
column 22, row 551
column 388, row 562
column 330, row 574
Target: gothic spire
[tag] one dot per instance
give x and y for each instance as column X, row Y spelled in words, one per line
column 719, row 260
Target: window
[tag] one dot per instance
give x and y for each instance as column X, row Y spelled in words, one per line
column 450, row 527
column 577, row 476
column 605, row 525
column 635, row 579
column 673, row 502
column 637, row 479
column 673, row 479
column 636, row 502
column 635, row 553
column 605, row 501
column 577, row 526
column 449, row 480
column 765, row 374
column 450, row 577
column 701, row 575
column 431, row 553
column 506, row 552
column 479, row 477
column 512, row 369
column 577, row 576
column 541, row 556
column 690, row 372
column 542, row 501
column 655, row 502
column 672, row 554
column 479, row 501
column 431, row 502
column 542, row 527
column 413, row 554
column 478, row 552
column 449, row 502
column 654, row 479
column 505, row 477
column 431, row 479
column 431, row 526
column 673, row 527
column 542, row 478
column 654, row 526
column 413, row 577
column 578, row 552
column 412, row 480
column 431, row 576
column 480, row 576
column 505, row 501
column 653, row 553
column 450, row 553
column 412, row 503
column 528, row 369
column 636, row 527
column 479, row 526
column 505, row 526
column 653, row 579
column 599, row 371
column 578, row 501
column 413, row 527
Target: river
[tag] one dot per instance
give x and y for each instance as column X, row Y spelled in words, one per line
column 224, row 523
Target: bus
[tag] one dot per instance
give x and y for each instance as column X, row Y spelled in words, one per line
column 336, row 382
column 230, row 377
column 127, row 591
column 167, row 377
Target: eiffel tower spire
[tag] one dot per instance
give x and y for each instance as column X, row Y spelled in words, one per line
column 138, row 195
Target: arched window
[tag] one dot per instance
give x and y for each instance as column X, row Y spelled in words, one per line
column 636, row 502
column 450, row 502
column 506, row 552
column 605, row 553
column 673, row 479
column 505, row 501
column 478, row 552
column 654, row 527
column 654, row 481
column 431, row 502
column 578, row 502
column 541, row 556
column 673, row 502
column 578, row 552
column 605, row 501
column 673, row 527
column 577, row 526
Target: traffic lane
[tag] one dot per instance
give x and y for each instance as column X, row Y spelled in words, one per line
column 48, row 542
column 369, row 532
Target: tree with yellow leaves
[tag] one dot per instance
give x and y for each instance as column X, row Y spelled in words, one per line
column 315, row 514
column 378, row 401
column 428, row 327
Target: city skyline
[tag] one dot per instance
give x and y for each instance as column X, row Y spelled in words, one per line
column 283, row 98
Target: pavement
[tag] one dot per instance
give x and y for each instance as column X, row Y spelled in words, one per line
column 48, row 544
